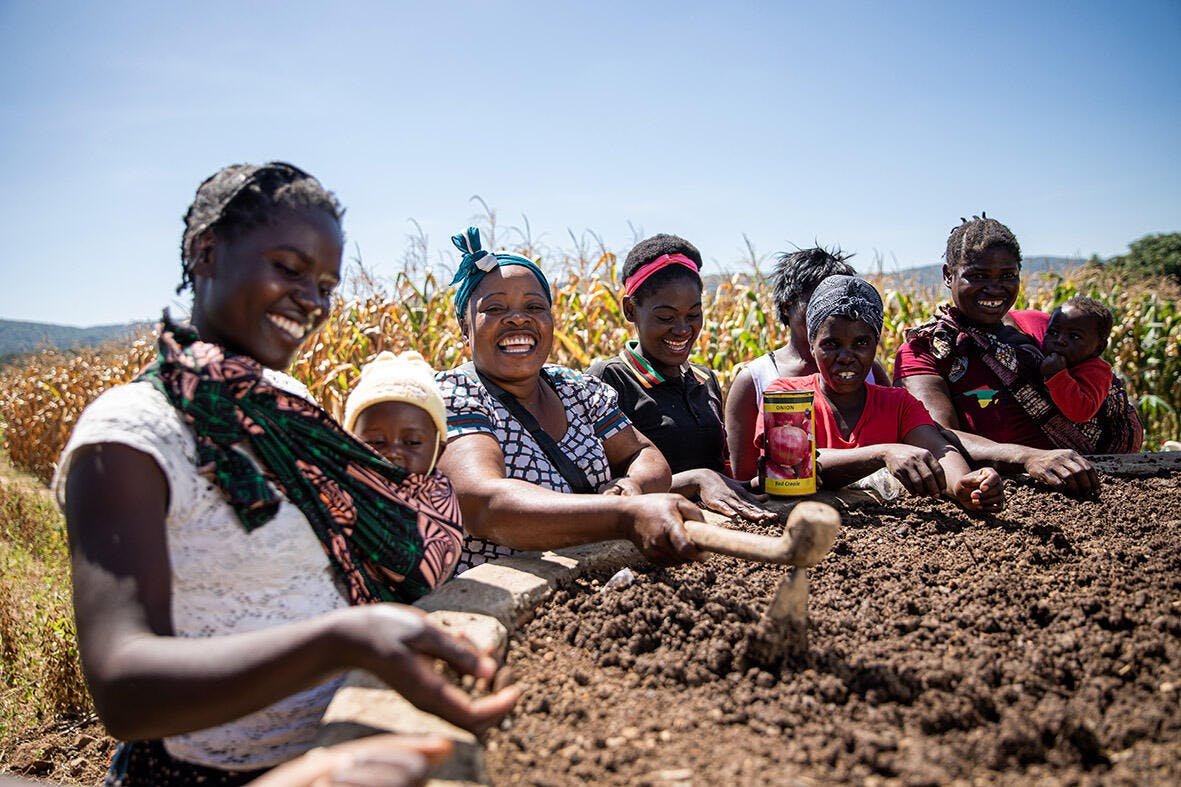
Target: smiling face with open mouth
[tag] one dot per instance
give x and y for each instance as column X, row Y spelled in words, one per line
column 844, row 350
column 264, row 291
column 510, row 325
column 668, row 321
column 986, row 288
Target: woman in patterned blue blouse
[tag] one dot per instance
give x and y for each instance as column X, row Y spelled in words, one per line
column 525, row 437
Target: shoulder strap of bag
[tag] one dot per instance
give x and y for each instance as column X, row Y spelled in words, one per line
column 573, row 474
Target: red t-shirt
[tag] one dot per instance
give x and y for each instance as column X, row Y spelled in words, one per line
column 983, row 406
column 1080, row 391
column 1031, row 322
column 889, row 414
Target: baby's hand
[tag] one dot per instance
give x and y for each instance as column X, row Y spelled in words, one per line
column 980, row 490
column 1052, row 364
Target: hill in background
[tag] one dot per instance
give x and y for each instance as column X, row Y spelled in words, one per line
column 21, row 337
column 928, row 278
column 931, row 276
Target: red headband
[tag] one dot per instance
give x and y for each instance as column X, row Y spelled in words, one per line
column 647, row 269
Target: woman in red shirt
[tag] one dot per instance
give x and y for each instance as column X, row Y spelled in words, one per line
column 981, row 378
column 861, row 427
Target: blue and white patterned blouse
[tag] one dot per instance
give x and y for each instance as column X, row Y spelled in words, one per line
column 592, row 415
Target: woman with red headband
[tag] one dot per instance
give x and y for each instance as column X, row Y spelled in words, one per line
column 674, row 403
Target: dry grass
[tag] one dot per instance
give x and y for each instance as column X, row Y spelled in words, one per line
column 40, row 674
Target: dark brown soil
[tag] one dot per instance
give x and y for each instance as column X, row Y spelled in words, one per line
column 65, row 751
column 1039, row 645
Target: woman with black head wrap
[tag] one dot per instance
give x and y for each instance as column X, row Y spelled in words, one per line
column 861, row 427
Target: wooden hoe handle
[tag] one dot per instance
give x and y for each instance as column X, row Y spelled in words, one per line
column 808, row 536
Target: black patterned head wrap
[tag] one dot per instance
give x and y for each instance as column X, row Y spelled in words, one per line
column 844, row 296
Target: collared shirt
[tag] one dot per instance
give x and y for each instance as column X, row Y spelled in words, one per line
column 682, row 416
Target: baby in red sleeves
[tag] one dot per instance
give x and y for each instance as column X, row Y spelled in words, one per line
column 1077, row 378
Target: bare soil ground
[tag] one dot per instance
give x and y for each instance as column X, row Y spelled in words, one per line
column 1036, row 646
column 64, row 751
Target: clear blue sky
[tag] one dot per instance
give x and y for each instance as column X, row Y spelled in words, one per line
column 870, row 125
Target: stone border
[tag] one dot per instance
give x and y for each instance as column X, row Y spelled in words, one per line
column 485, row 605
column 488, row 602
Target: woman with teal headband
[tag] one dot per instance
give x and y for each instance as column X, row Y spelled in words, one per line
column 540, row 455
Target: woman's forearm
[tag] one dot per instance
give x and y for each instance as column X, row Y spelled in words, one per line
column 842, row 466
column 1005, row 457
column 650, row 470
column 149, row 686
column 686, row 483
column 522, row 515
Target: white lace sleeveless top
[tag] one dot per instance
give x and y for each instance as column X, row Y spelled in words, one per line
column 224, row 580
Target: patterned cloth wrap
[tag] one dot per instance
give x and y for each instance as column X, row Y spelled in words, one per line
column 1115, row 429
column 390, row 535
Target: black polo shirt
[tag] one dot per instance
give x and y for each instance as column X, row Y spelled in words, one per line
column 682, row 417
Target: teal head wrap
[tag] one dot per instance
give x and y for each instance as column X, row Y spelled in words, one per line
column 477, row 263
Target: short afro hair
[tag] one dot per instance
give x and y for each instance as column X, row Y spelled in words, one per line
column 243, row 196
column 1096, row 311
column 971, row 238
column 796, row 274
column 650, row 249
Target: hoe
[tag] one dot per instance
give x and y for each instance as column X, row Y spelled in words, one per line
column 808, row 536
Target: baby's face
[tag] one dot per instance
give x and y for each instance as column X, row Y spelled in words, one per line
column 401, row 432
column 1072, row 334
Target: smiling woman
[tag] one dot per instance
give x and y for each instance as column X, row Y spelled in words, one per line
column 861, row 427
column 674, row 403
column 230, row 543
column 523, row 435
column 980, row 377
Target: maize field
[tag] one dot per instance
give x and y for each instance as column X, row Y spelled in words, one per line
column 42, row 395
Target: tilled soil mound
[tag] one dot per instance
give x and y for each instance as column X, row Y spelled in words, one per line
column 1038, row 645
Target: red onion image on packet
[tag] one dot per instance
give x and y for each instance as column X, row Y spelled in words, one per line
column 789, row 451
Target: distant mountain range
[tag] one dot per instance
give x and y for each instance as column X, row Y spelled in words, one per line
column 22, row 337
column 929, row 276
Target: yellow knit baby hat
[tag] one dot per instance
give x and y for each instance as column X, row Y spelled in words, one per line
column 397, row 378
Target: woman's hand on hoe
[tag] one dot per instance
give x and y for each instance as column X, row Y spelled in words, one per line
column 400, row 645
column 655, row 524
column 980, row 490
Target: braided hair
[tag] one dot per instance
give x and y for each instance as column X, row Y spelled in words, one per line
column 244, row 196
column 797, row 274
column 971, row 238
column 650, row 249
